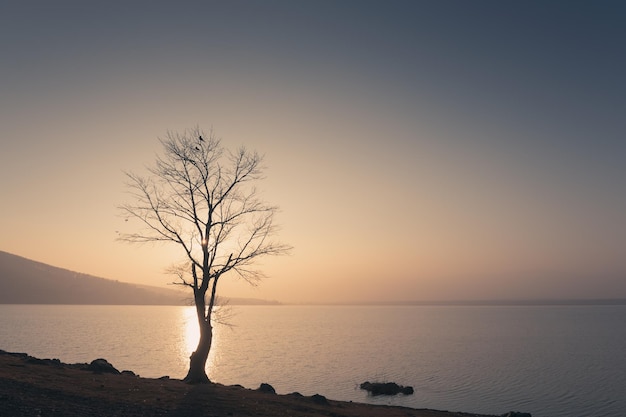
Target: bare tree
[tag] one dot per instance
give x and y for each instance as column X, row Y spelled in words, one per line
column 201, row 197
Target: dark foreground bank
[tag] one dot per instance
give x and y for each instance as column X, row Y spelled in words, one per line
column 44, row 387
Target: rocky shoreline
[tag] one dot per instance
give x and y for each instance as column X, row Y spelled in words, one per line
column 49, row 388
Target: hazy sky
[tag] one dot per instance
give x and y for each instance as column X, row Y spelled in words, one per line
column 418, row 150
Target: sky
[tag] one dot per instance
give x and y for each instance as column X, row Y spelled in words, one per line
column 418, row 150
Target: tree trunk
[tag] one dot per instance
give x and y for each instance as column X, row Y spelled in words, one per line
column 197, row 360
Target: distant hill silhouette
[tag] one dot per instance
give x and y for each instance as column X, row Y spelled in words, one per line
column 24, row 281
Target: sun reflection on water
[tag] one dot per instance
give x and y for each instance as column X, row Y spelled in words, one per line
column 192, row 332
column 191, row 336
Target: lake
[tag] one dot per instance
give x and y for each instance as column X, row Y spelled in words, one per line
column 551, row 361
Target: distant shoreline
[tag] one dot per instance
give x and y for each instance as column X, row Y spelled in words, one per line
column 28, row 282
column 454, row 303
column 484, row 303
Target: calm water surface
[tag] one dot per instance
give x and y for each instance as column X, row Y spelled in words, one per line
column 550, row 361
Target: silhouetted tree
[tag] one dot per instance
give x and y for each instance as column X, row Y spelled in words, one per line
column 201, row 197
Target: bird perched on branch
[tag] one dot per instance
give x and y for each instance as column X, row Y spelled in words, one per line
column 200, row 137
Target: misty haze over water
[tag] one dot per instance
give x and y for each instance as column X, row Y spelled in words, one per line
column 552, row 361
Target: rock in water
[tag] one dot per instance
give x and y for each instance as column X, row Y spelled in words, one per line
column 386, row 388
column 407, row 390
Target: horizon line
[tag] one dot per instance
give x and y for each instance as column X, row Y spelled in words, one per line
column 482, row 302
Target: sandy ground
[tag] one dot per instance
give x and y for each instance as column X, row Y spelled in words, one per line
column 42, row 388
